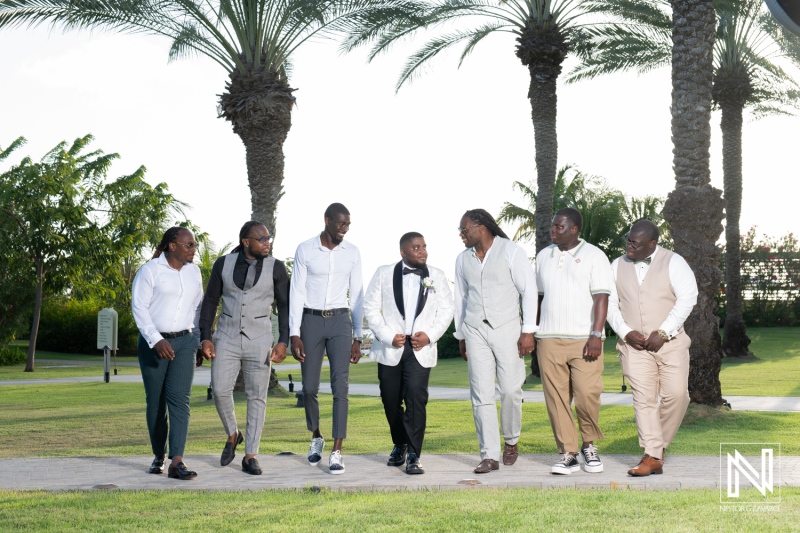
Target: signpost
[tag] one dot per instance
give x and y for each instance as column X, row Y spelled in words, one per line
column 107, row 321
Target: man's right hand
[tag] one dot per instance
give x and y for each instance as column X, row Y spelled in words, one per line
column 635, row 339
column 399, row 340
column 164, row 350
column 462, row 347
column 298, row 351
column 207, row 347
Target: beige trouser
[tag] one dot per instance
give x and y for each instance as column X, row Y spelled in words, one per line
column 566, row 374
column 650, row 375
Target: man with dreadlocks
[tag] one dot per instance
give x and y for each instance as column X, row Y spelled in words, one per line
column 248, row 280
column 166, row 297
column 494, row 281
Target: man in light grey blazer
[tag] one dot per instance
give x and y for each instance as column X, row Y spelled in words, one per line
column 247, row 280
column 408, row 306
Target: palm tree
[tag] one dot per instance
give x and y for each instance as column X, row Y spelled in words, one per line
column 545, row 31
column 253, row 40
column 748, row 41
column 607, row 213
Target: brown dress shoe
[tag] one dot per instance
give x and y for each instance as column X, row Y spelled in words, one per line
column 510, row 454
column 486, row 466
column 648, row 465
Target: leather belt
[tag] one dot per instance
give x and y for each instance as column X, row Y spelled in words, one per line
column 174, row 334
column 327, row 313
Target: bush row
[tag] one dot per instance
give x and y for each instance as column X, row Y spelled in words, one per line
column 71, row 327
column 12, row 356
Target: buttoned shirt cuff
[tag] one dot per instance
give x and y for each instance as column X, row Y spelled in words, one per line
column 529, row 328
column 672, row 331
column 153, row 339
column 294, row 332
column 458, row 335
column 623, row 332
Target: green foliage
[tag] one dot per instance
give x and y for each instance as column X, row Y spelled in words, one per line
column 447, row 346
column 64, row 228
column 12, row 356
column 770, row 280
column 607, row 213
column 70, row 326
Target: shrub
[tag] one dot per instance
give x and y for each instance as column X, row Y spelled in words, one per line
column 71, row 327
column 448, row 345
column 12, row 356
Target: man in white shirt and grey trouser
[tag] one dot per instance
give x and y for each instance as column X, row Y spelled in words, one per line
column 325, row 268
column 653, row 294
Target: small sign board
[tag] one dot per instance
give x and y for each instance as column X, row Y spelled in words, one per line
column 107, row 329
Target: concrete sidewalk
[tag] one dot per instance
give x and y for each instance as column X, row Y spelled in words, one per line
column 369, row 472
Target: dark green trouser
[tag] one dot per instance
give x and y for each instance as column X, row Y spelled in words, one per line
column 168, row 388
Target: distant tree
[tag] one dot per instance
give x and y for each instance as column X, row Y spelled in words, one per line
column 65, row 228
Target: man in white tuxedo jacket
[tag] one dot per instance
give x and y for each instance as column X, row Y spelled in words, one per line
column 408, row 306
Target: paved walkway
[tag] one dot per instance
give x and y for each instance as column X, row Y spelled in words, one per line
column 369, row 472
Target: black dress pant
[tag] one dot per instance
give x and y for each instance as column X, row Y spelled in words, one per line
column 405, row 383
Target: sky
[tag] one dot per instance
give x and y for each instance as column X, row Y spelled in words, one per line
column 415, row 160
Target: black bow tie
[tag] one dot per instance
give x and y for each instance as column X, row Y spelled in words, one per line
column 645, row 261
column 417, row 271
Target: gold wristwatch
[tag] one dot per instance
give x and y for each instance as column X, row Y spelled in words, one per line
column 663, row 334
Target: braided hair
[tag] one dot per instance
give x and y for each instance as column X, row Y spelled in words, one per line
column 171, row 235
column 244, row 232
column 482, row 217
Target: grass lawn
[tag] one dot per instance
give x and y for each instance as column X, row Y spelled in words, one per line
column 488, row 510
column 107, row 419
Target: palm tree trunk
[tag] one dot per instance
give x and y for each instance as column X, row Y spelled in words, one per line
column 542, row 94
column 259, row 105
column 695, row 208
column 37, row 314
column 735, row 342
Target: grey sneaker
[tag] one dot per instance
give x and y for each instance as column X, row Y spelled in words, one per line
column 315, row 450
column 591, row 460
column 335, row 464
column 567, row 465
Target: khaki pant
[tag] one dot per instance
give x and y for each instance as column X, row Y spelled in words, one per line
column 567, row 375
column 663, row 374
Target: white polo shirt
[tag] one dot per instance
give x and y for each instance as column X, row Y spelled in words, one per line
column 569, row 280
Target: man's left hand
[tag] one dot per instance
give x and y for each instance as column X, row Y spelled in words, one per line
column 355, row 352
column 198, row 358
column 525, row 344
column 593, row 347
column 279, row 353
column 419, row 340
column 654, row 342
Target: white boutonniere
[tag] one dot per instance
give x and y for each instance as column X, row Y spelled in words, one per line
column 428, row 284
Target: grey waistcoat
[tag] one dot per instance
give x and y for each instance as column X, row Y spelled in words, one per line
column 247, row 312
column 492, row 295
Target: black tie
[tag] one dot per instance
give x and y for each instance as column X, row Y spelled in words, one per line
column 417, row 271
column 250, row 279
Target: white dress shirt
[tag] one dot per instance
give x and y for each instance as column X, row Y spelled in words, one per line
column 522, row 275
column 683, row 283
column 167, row 300
column 321, row 279
column 411, row 284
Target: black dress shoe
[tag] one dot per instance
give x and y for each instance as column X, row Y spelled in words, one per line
column 181, row 472
column 229, row 451
column 251, row 466
column 398, row 456
column 414, row 466
column 157, row 466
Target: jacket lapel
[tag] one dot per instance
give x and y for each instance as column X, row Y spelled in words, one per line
column 397, row 285
column 423, row 294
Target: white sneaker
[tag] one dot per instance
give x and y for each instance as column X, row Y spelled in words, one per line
column 315, row 450
column 335, row 464
column 591, row 461
column 567, row 465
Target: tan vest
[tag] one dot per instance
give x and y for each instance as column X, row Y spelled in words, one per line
column 645, row 307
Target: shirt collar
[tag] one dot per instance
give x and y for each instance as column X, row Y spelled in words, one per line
column 573, row 252
column 341, row 246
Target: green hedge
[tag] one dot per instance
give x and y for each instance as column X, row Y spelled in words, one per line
column 12, row 356
column 71, row 327
column 448, row 345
